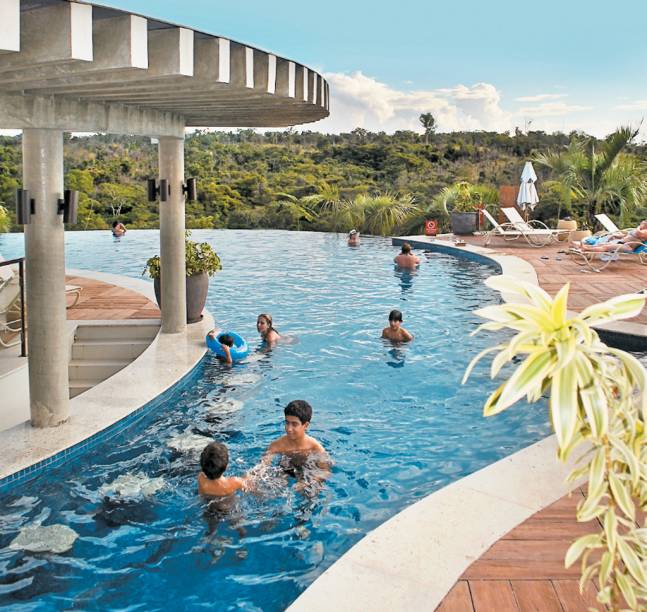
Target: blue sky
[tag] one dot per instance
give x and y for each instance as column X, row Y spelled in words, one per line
column 476, row 65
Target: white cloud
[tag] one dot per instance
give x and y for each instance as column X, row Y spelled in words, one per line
column 636, row 105
column 358, row 100
column 553, row 109
column 540, row 97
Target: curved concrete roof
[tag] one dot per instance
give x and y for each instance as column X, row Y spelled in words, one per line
column 73, row 63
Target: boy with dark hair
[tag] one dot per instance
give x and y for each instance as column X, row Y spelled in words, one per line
column 226, row 342
column 395, row 332
column 211, row 482
column 296, row 443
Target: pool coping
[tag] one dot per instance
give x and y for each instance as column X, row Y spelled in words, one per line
column 411, row 561
column 101, row 411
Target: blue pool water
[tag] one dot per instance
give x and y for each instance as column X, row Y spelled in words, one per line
column 396, row 422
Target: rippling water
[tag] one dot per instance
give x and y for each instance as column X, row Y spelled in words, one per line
column 396, row 422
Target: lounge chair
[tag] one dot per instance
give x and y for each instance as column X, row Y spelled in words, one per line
column 510, row 231
column 9, row 307
column 530, row 226
column 596, row 261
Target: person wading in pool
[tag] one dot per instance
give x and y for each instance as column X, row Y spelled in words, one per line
column 265, row 328
column 211, row 482
column 406, row 259
column 353, row 238
column 118, row 229
column 302, row 456
column 395, row 332
column 226, row 342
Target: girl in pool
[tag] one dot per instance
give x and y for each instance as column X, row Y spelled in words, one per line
column 265, row 328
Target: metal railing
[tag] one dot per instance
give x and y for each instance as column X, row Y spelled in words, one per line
column 21, row 279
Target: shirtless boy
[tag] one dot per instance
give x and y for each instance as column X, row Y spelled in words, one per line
column 211, row 482
column 395, row 332
column 406, row 259
column 296, row 441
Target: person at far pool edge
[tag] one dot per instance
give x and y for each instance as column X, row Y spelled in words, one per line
column 118, row 228
column 211, row 482
column 406, row 259
column 353, row 238
column 395, row 332
column 226, row 342
column 266, row 329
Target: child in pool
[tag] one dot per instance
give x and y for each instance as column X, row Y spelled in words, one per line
column 296, row 446
column 226, row 342
column 211, row 482
column 395, row 332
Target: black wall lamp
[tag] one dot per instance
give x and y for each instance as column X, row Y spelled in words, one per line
column 191, row 189
column 163, row 191
column 25, row 207
column 69, row 206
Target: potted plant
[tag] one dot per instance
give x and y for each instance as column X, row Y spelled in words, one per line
column 201, row 263
column 461, row 201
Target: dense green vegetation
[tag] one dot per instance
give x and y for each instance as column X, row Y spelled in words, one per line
column 313, row 181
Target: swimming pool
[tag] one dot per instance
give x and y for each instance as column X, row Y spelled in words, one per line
column 396, row 422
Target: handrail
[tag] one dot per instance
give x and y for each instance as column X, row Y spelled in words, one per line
column 21, row 279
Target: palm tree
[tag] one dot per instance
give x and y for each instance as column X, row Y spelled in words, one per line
column 383, row 212
column 429, row 124
column 606, row 179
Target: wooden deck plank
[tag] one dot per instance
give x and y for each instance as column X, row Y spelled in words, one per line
column 457, row 600
column 536, row 596
column 572, row 600
column 491, row 595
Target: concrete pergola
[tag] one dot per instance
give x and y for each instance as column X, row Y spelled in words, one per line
column 69, row 65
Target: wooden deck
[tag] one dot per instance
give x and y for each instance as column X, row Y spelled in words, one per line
column 102, row 301
column 554, row 269
column 525, row 571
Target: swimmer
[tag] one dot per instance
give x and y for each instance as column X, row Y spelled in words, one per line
column 406, row 259
column 226, row 342
column 353, row 238
column 211, row 482
column 118, row 228
column 296, row 445
column 395, row 332
column 265, row 328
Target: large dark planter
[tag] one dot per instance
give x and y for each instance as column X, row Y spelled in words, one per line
column 463, row 223
column 196, row 295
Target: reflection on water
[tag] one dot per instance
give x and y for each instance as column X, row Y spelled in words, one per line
column 405, row 276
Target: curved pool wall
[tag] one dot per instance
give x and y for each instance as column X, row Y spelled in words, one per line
column 286, row 544
column 150, row 381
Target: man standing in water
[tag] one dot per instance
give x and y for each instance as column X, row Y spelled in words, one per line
column 406, row 259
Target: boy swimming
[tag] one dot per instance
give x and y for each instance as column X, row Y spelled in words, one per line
column 395, row 332
column 211, row 482
column 226, row 342
column 296, row 446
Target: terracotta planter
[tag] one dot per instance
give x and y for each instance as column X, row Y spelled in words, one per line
column 579, row 235
column 196, row 295
column 566, row 224
column 463, row 223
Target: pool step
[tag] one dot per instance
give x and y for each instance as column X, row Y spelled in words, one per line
column 100, row 350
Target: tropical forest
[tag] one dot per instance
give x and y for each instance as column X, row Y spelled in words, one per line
column 377, row 183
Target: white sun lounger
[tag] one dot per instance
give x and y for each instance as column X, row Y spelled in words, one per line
column 529, row 226
column 510, row 231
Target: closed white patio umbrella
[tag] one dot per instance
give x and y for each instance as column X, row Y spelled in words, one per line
column 527, row 191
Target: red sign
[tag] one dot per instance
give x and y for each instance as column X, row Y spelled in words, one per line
column 431, row 227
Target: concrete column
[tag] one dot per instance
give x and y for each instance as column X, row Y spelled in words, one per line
column 173, row 281
column 48, row 344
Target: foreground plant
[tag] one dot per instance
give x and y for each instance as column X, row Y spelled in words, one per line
column 598, row 401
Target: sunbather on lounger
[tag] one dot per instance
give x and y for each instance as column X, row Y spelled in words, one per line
column 633, row 240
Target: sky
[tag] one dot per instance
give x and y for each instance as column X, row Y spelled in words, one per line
column 555, row 65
